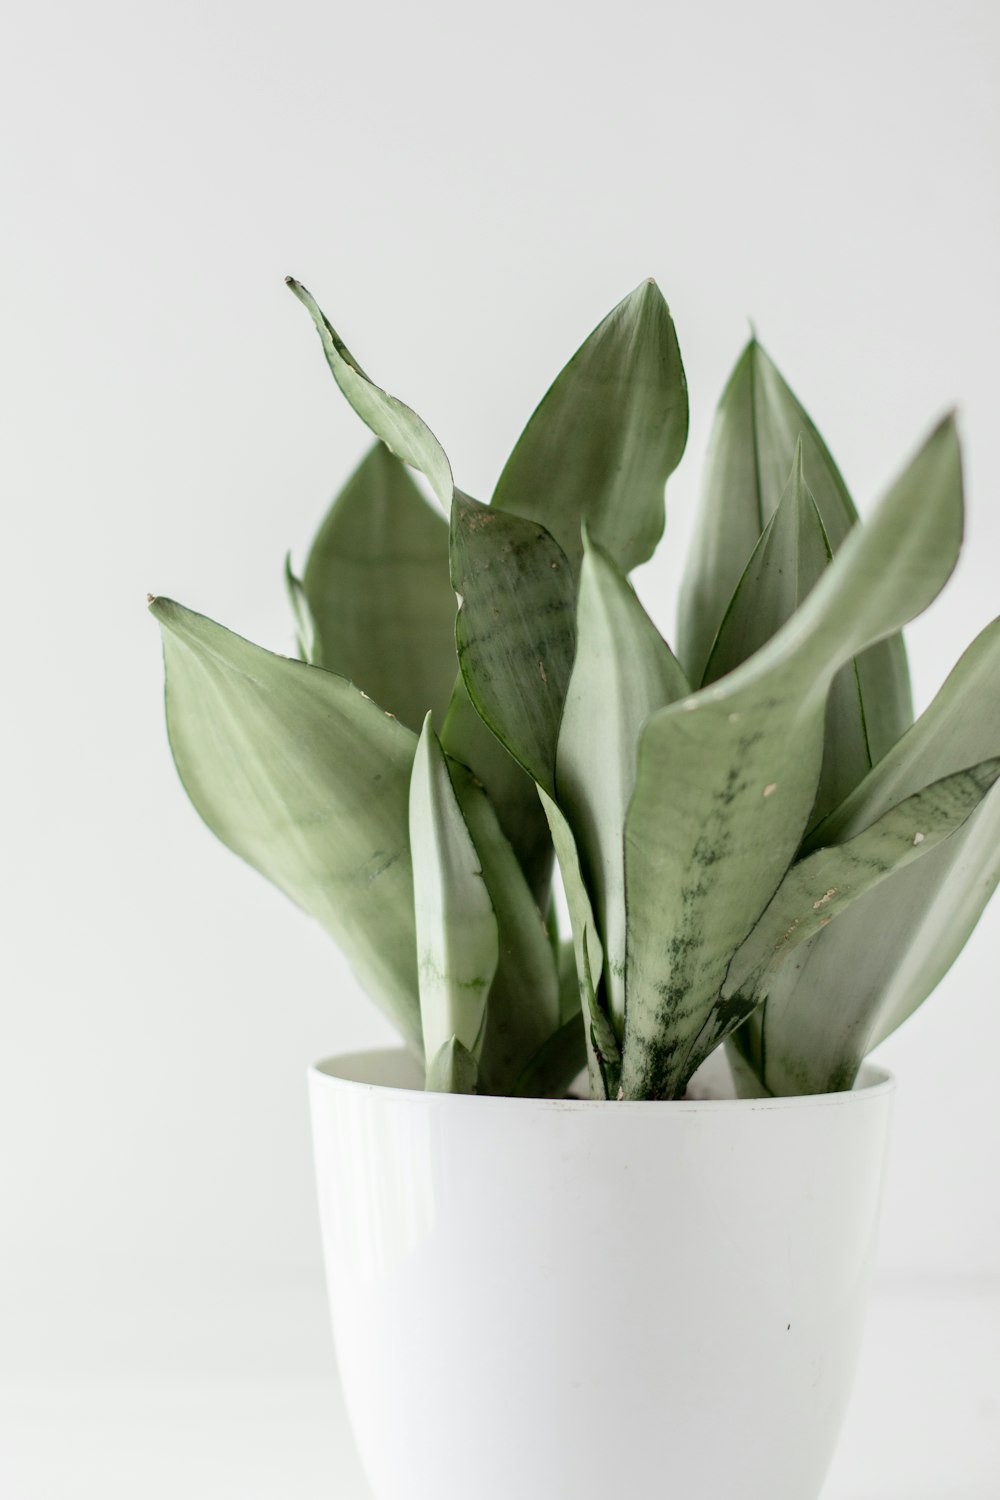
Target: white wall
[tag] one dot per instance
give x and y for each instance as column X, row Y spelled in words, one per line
column 468, row 191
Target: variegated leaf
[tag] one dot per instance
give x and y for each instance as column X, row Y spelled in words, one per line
column 899, row 940
column 727, row 777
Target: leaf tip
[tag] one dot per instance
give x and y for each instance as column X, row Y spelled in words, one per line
column 163, row 610
column 304, row 296
column 646, row 298
column 160, row 608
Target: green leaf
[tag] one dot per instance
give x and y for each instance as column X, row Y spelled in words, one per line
column 581, row 913
column 510, row 789
column 791, row 555
column 452, row 1070
column 960, row 728
column 789, row 559
column 391, row 420
column 378, row 590
column 516, row 630
column 603, row 1049
column 606, row 437
column 308, row 781
column 588, row 951
column 623, row 671
column 554, row 1068
column 523, row 1011
column 457, row 942
column 823, row 885
column 406, row 435
column 743, row 1063
column 757, row 427
column 960, row 889
column 900, row 939
column 569, row 983
column 305, row 627
column 727, row 777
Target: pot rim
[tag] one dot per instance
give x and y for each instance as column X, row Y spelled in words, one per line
column 873, row 1081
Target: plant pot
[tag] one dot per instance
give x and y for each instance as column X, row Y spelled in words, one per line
column 565, row 1300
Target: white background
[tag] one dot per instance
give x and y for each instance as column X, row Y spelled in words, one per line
column 468, row 191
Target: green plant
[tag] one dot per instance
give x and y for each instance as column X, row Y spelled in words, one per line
column 758, row 846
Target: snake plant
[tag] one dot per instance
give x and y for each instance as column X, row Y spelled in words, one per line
column 758, row 845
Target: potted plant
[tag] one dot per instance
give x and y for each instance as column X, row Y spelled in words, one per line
column 645, row 1290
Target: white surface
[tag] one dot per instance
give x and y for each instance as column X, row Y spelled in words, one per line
column 550, row 1269
column 469, row 190
column 224, row 1388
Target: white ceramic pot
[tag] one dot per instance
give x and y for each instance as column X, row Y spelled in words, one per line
column 566, row 1300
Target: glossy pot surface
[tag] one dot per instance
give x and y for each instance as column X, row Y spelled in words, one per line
column 565, row 1300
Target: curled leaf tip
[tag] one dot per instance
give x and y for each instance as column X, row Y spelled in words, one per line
column 302, row 292
column 150, row 600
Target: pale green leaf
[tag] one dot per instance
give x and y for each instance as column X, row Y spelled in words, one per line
column 623, row 671
column 561, row 1059
column 603, row 1049
column 452, row 1070
column 792, row 554
column 457, row 942
column 824, row 884
column 587, row 949
column 757, row 427
column 581, row 912
column 308, row 781
column 406, row 435
column 391, row 420
column 379, row 592
column 814, row 1030
column 516, row 629
column 727, row 777
column 899, row 940
column 961, row 727
column 524, row 1008
column 569, row 983
column 305, row 626
column 606, row 437
column 743, row 1064
column 510, row 789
